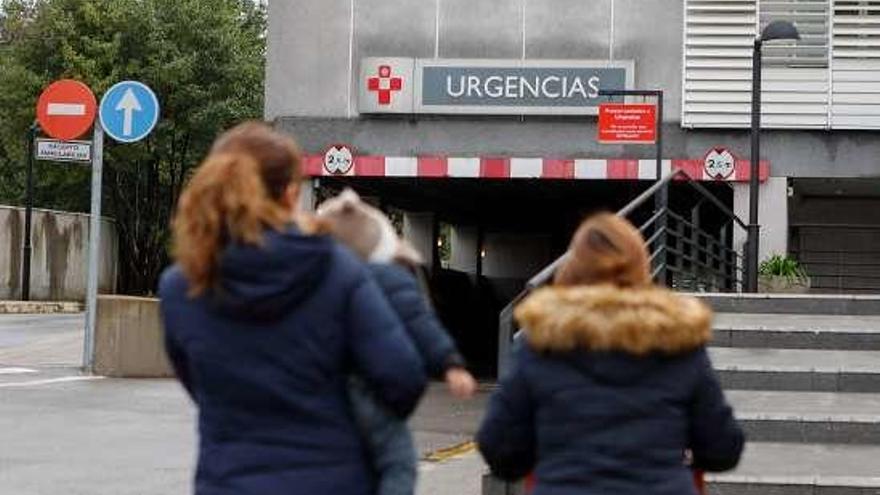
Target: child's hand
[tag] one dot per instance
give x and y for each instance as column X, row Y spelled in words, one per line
column 461, row 383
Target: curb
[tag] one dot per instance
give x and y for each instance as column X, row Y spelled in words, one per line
column 39, row 307
column 448, row 453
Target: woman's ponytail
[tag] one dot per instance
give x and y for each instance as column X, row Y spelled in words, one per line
column 226, row 200
column 241, row 189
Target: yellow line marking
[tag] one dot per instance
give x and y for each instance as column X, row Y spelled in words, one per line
column 448, row 453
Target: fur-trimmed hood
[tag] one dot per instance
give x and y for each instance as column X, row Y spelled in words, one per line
column 606, row 318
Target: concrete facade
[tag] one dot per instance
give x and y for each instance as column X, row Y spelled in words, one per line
column 313, row 81
column 315, row 48
column 60, row 255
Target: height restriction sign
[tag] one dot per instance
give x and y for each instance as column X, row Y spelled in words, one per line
column 66, row 109
column 627, row 123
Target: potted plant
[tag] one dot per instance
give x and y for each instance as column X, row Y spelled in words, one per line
column 782, row 275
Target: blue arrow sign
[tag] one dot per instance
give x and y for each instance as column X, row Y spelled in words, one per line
column 129, row 111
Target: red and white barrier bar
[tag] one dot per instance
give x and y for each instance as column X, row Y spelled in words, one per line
column 440, row 167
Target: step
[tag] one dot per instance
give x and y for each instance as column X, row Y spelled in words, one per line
column 808, row 417
column 791, row 331
column 797, row 369
column 825, row 304
column 802, row 469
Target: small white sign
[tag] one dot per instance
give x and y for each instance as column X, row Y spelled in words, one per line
column 64, row 151
column 338, row 160
column 719, row 163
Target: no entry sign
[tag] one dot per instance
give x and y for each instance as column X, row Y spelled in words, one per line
column 627, row 123
column 66, row 109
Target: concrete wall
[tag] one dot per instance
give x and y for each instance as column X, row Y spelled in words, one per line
column 464, row 249
column 60, row 255
column 418, row 229
column 772, row 216
column 315, row 48
column 129, row 340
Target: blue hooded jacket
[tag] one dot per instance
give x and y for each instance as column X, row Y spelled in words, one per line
column 266, row 357
column 607, row 393
column 420, row 321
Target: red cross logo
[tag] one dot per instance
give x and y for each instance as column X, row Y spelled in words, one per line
column 384, row 84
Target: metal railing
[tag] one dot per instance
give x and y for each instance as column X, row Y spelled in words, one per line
column 685, row 254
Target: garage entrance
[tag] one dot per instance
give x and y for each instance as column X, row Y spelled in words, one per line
column 485, row 238
column 834, row 231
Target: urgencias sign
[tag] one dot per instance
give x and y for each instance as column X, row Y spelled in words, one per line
column 505, row 87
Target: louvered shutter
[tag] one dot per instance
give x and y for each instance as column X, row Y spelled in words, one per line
column 856, row 64
column 796, row 77
column 812, row 21
column 717, row 59
column 717, row 62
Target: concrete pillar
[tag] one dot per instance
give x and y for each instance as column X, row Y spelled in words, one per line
column 418, row 229
column 307, row 196
column 465, row 249
column 772, row 216
column 129, row 340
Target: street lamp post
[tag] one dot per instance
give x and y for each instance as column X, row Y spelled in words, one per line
column 776, row 30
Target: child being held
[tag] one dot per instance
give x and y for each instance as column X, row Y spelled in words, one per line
column 367, row 232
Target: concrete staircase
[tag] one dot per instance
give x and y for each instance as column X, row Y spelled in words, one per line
column 803, row 374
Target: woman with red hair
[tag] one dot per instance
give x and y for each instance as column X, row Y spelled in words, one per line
column 265, row 322
column 613, row 385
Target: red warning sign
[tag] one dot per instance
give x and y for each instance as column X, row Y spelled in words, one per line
column 627, row 123
column 66, row 109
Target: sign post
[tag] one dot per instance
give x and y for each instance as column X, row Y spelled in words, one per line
column 662, row 199
column 128, row 113
column 94, row 249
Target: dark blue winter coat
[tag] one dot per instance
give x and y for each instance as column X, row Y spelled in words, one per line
column 608, row 391
column 266, row 358
column 436, row 347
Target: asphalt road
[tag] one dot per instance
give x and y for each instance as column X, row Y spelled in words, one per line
column 41, row 340
column 63, row 432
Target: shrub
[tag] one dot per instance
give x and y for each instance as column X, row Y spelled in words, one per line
column 782, row 266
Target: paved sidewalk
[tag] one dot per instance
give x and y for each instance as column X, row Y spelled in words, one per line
column 64, row 432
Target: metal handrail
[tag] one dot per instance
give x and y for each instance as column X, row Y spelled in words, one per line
column 656, row 216
column 546, row 274
column 698, row 232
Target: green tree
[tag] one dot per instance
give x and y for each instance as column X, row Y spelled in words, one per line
column 203, row 58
